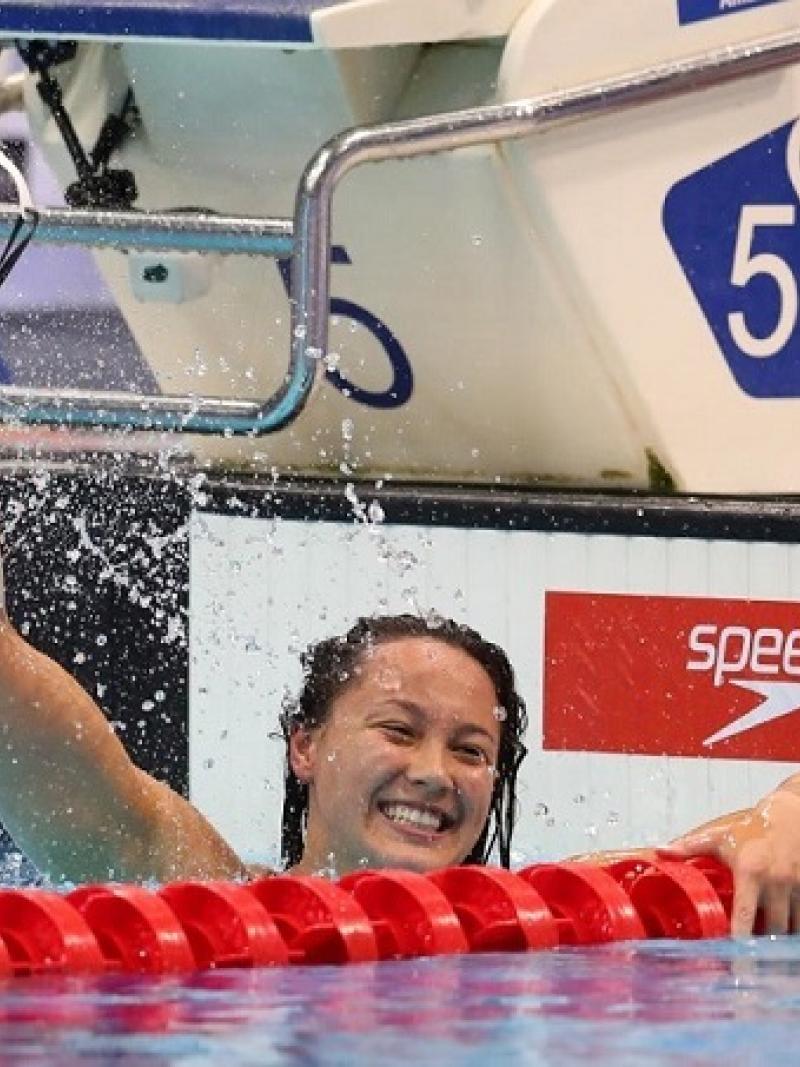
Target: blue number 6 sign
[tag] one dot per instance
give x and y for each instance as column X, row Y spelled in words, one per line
column 735, row 229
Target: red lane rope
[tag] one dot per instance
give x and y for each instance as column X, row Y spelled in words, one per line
column 369, row 915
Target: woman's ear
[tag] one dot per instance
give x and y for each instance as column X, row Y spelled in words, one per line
column 302, row 754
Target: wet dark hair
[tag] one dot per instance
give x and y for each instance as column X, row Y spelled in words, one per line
column 329, row 667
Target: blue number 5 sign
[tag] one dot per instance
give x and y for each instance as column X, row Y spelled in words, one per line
column 735, row 229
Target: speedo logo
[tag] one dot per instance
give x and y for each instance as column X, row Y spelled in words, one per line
column 646, row 674
column 761, row 653
column 738, row 649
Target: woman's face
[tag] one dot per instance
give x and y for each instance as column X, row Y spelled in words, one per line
column 402, row 771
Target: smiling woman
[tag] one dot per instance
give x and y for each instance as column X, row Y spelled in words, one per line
column 402, row 749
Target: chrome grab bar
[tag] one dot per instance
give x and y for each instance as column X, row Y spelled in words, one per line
column 164, row 231
column 308, row 239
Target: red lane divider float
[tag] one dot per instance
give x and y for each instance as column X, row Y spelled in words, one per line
column 722, row 880
column 719, row 876
column 6, row 965
column 497, row 910
column 588, row 904
column 369, row 915
column 319, row 921
column 137, row 932
column 409, row 914
column 672, row 899
column 225, row 925
column 44, row 934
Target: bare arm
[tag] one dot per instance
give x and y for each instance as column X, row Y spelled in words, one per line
column 72, row 798
column 761, row 845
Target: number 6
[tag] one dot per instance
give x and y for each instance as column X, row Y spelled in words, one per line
column 747, row 266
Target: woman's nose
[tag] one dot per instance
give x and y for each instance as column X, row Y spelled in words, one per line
column 428, row 766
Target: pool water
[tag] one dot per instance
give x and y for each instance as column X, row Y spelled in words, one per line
column 664, row 1002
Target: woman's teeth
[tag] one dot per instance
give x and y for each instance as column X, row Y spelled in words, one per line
column 425, row 820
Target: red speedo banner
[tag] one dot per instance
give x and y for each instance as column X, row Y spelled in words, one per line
column 669, row 675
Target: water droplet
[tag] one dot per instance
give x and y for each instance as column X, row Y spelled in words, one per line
column 388, row 678
column 295, row 642
column 375, row 512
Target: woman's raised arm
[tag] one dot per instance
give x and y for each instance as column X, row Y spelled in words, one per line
column 70, row 795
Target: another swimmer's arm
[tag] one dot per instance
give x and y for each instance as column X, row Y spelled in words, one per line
column 761, row 845
column 72, row 798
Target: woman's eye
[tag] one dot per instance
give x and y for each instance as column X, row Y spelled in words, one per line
column 473, row 753
column 397, row 731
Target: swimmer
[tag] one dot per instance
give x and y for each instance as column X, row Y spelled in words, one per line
column 402, row 750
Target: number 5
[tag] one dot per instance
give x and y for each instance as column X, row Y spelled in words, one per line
column 747, row 266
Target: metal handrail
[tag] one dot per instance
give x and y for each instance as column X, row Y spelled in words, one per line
column 164, row 231
column 309, row 239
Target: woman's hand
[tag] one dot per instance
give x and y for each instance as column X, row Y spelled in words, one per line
column 761, row 845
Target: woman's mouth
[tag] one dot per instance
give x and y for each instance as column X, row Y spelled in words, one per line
column 415, row 817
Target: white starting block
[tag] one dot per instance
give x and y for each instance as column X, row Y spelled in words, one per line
column 608, row 302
